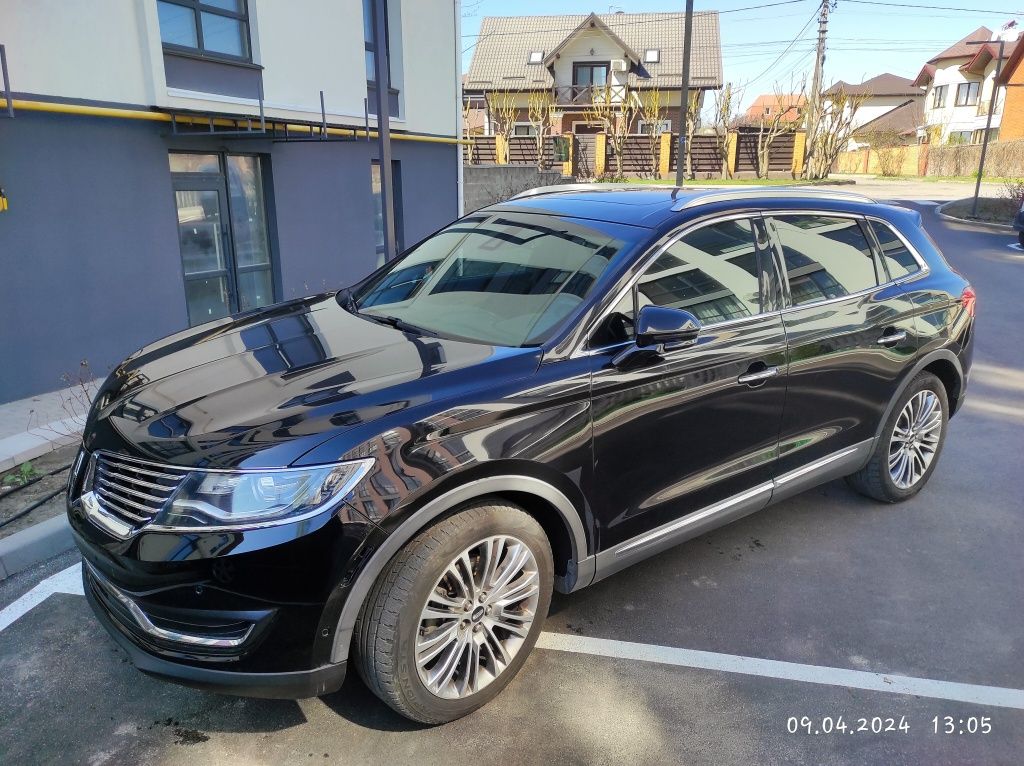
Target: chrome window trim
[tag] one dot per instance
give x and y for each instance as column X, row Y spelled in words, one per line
column 643, row 263
column 757, row 193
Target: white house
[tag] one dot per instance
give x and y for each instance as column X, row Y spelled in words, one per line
column 881, row 95
column 958, row 83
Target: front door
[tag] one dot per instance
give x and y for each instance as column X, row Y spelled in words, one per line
column 692, row 436
column 222, row 234
column 851, row 333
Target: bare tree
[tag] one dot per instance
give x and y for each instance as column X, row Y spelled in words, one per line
column 540, row 113
column 651, row 110
column 723, row 117
column 502, row 111
column 783, row 116
column 616, row 118
column 891, row 150
column 832, row 130
column 692, row 117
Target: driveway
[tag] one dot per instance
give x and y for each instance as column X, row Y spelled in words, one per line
column 824, row 606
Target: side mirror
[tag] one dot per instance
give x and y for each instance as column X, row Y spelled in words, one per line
column 660, row 326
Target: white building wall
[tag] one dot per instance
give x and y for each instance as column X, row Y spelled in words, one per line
column 952, row 118
column 110, row 50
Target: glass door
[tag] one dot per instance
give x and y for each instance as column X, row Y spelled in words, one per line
column 205, row 242
column 222, row 233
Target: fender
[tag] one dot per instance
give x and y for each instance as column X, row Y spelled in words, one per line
column 584, row 564
column 943, row 354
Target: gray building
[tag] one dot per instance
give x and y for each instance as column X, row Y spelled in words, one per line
column 168, row 163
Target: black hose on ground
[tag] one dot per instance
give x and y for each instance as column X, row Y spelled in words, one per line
column 26, row 511
column 30, row 482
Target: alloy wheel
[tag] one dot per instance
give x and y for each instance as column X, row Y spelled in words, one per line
column 477, row 617
column 915, row 439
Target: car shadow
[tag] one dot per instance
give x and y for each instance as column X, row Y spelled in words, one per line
column 357, row 704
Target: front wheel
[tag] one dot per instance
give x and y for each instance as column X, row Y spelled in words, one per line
column 909, row 446
column 450, row 621
column 1020, row 238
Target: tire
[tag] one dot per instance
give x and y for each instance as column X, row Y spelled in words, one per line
column 393, row 622
column 1020, row 238
column 894, row 483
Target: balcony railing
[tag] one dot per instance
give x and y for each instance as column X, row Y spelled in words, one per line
column 587, row 95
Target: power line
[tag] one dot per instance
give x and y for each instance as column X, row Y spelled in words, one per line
column 612, row 23
column 934, row 7
column 794, row 41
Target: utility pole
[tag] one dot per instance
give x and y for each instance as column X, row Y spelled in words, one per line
column 684, row 96
column 819, row 65
column 988, row 122
column 381, row 71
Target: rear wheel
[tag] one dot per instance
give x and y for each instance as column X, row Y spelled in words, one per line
column 451, row 620
column 1020, row 238
column 909, row 447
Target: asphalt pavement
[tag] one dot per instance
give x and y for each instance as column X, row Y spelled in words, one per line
column 824, row 606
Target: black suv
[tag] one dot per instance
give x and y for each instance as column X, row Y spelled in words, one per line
column 535, row 397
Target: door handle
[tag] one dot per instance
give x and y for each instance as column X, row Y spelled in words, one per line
column 756, row 378
column 891, row 339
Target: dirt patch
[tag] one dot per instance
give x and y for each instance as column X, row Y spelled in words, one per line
column 24, row 486
column 990, row 209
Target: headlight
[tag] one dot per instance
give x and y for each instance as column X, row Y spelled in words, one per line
column 244, row 498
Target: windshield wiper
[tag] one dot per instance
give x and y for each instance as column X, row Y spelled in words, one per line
column 398, row 324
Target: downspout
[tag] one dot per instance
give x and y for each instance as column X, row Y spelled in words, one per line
column 460, row 172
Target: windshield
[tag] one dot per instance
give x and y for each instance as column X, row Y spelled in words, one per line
column 506, row 279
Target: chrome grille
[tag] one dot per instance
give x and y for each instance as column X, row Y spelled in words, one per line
column 132, row 489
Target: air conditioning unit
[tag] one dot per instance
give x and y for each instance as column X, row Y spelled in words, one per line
column 618, row 65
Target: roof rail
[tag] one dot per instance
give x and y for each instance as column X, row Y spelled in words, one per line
column 539, row 190
column 797, row 192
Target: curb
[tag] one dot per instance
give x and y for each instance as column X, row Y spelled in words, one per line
column 28, row 445
column 36, row 544
column 984, row 224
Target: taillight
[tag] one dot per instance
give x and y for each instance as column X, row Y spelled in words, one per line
column 968, row 299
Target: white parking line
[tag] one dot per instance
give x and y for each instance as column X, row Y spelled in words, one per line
column 66, row 581
column 70, row 581
column 790, row 671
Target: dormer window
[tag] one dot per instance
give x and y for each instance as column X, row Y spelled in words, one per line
column 535, row 57
column 652, row 55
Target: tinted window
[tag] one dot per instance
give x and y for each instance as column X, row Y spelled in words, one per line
column 898, row 258
column 711, row 272
column 505, row 279
column 826, row 257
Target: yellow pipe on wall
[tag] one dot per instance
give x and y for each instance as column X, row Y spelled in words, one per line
column 140, row 114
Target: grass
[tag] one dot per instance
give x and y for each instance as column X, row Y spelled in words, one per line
column 990, row 209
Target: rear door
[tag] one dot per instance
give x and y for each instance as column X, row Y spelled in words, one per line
column 850, row 331
column 698, row 426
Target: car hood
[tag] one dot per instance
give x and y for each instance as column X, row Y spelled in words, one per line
column 261, row 389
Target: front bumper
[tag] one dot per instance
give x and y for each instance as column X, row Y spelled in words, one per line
column 285, row 685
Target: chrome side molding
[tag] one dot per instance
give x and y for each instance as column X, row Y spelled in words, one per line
column 793, row 482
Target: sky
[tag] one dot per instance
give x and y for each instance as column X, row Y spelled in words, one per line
column 864, row 39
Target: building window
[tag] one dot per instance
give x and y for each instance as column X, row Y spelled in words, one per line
column 524, row 129
column 216, row 28
column 979, row 135
column 956, row 137
column 589, row 74
column 967, row 93
column 222, row 233
column 652, row 56
column 535, row 57
column 370, row 41
column 939, row 96
column 378, row 207
column 655, row 127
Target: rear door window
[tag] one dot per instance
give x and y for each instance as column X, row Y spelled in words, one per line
column 826, row 257
column 898, row 258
